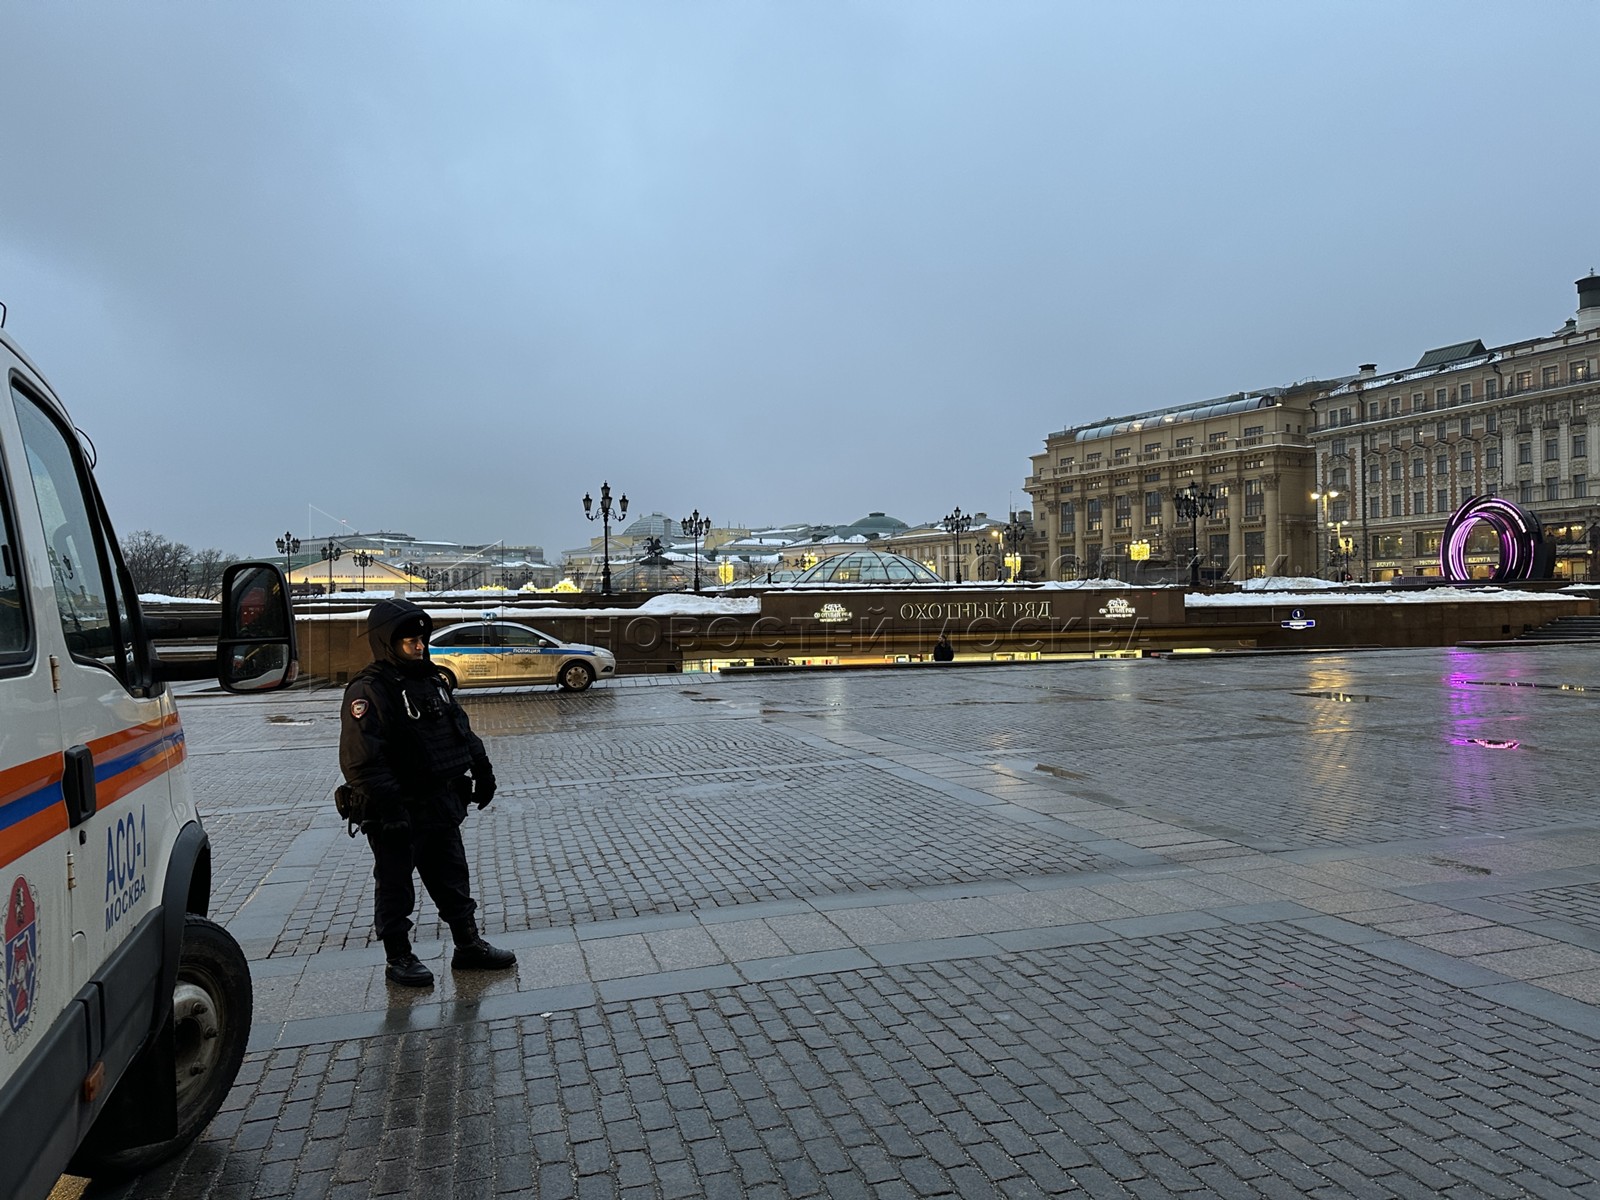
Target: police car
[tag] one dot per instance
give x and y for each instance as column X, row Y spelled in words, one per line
column 494, row 653
column 124, row 1013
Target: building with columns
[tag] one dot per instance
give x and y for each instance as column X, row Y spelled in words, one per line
column 1397, row 453
column 1103, row 494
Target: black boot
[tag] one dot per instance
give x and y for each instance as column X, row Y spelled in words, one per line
column 475, row 954
column 404, row 967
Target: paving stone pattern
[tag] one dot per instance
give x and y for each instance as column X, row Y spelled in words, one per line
column 1257, row 1061
column 1256, row 926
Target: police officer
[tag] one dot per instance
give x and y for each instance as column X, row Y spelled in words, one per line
column 406, row 748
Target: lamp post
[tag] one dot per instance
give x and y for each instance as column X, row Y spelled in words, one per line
column 1193, row 502
column 332, row 552
column 1322, row 500
column 603, row 515
column 696, row 527
column 288, row 546
column 1011, row 535
column 957, row 523
column 363, row 560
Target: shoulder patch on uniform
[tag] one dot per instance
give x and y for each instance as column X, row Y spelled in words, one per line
column 358, row 708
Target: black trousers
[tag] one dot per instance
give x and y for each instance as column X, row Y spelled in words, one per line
column 433, row 851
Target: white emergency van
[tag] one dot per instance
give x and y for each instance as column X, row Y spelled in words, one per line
column 125, row 1011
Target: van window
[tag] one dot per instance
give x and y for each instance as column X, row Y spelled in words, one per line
column 94, row 616
column 14, row 640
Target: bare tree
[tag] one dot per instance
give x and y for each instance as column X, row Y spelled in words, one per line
column 156, row 563
column 205, row 572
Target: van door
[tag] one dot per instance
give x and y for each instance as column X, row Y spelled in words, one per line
column 35, row 923
column 118, row 734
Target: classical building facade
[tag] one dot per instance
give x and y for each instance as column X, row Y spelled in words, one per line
column 1397, row 453
column 1104, row 494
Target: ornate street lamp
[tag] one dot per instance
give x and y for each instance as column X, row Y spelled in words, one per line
column 956, row 524
column 363, row 560
column 1322, row 500
column 696, row 527
column 604, row 515
column 332, row 552
column 1193, row 502
column 1012, row 534
column 288, row 546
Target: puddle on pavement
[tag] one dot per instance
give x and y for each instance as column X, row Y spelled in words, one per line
column 277, row 719
column 1342, row 697
column 1458, row 865
column 1524, row 683
column 1057, row 772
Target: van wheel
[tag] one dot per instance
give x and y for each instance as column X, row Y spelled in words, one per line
column 575, row 676
column 211, row 1011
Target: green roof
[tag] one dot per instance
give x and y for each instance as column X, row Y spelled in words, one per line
column 1450, row 354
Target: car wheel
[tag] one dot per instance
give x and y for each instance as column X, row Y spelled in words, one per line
column 450, row 678
column 575, row 676
column 211, row 1011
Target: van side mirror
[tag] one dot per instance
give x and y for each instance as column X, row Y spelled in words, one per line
column 256, row 647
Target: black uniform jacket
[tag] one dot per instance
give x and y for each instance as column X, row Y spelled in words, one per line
column 404, row 742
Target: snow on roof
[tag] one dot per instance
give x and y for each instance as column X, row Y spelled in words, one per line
column 1299, row 599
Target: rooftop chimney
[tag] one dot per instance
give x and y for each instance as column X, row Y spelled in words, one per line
column 1589, row 303
column 1366, row 370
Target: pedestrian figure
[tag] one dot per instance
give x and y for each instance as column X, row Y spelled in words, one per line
column 406, row 747
column 943, row 651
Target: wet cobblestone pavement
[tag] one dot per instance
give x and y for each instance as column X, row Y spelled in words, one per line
column 1265, row 926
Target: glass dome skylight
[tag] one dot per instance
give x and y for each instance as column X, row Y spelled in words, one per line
column 867, row 566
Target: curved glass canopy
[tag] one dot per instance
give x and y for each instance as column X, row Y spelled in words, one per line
column 867, row 566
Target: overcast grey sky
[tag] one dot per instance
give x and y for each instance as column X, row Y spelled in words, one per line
column 442, row 268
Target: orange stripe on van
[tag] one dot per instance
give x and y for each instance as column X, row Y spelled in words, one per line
column 31, row 812
column 31, row 808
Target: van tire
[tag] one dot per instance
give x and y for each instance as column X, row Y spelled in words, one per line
column 212, row 1009
column 575, row 676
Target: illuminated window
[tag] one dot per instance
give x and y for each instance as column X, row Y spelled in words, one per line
column 1255, row 499
column 1578, row 371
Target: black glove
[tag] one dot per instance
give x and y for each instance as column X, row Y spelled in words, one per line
column 483, row 785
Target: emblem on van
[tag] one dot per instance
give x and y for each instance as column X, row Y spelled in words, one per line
column 22, row 959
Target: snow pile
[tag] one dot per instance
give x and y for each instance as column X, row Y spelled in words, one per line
column 1441, row 595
